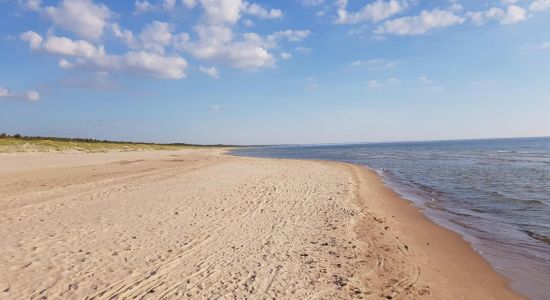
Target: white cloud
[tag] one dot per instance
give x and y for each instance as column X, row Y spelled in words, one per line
column 34, row 39
column 168, row 4
column 286, row 55
column 514, row 14
column 218, row 43
column 372, row 84
column 213, row 37
column 312, row 85
column 246, row 51
column 67, row 47
column 143, row 6
column 230, row 11
column 33, row 5
column 83, row 17
column 374, row 12
column 312, row 2
column 125, row 35
column 222, row 11
column 481, row 17
column 424, row 79
column 189, row 3
column 248, row 23
column 210, row 71
column 215, row 40
column 393, row 80
column 375, row 63
column 540, row 5
column 537, row 48
column 31, row 95
column 420, row 24
column 155, row 36
column 455, row 6
column 28, row 95
column 259, row 11
column 290, row 35
column 87, row 56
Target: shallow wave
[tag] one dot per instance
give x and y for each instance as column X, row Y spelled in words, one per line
column 540, row 237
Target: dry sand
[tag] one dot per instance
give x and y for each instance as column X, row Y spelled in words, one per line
column 201, row 224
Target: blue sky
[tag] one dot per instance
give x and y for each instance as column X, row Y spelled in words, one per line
column 257, row 72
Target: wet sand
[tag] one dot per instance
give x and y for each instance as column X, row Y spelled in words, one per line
column 201, row 224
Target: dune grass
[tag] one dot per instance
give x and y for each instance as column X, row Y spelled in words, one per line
column 36, row 144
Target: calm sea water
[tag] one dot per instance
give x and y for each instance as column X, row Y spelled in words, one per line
column 496, row 193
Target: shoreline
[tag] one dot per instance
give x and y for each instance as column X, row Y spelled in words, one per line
column 419, row 227
column 443, row 256
column 202, row 223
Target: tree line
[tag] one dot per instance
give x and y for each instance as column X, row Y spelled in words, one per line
column 88, row 140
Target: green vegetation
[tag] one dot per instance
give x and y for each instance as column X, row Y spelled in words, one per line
column 19, row 143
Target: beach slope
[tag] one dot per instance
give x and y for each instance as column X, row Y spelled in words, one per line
column 202, row 224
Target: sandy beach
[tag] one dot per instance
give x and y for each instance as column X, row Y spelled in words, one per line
column 203, row 224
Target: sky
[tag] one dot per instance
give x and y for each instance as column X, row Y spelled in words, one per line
column 275, row 72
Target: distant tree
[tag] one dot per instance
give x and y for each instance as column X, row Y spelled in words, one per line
column 17, row 136
column 3, row 136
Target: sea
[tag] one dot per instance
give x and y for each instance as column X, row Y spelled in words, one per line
column 494, row 192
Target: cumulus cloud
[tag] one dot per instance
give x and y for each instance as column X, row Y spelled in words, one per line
column 514, row 14
column 540, row 5
column 222, row 11
column 230, row 11
column 210, row 71
column 34, row 39
column 215, row 39
column 481, row 17
column 261, row 12
column 82, row 17
column 143, row 6
column 155, row 36
column 373, row 12
column 125, row 35
column 29, row 95
column 420, row 24
column 83, row 54
column 247, row 51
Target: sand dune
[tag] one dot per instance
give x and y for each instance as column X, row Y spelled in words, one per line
column 201, row 224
